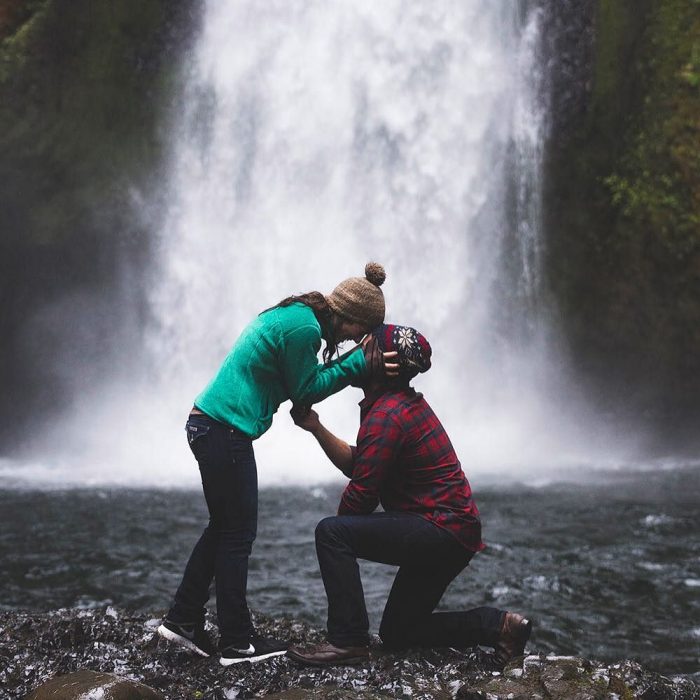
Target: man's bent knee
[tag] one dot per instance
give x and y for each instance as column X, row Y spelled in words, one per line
column 327, row 530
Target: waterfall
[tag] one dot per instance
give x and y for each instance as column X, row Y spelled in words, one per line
column 314, row 137
column 310, row 138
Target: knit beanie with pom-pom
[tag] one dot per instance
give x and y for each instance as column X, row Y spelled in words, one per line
column 359, row 299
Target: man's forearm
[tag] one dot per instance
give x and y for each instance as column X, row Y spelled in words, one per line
column 337, row 450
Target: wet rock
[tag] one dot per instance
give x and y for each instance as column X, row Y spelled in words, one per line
column 89, row 685
column 35, row 648
column 573, row 678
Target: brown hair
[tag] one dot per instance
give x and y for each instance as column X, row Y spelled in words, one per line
column 324, row 315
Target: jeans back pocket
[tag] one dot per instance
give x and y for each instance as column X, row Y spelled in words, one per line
column 196, row 429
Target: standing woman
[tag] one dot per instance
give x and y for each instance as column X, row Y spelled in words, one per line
column 274, row 359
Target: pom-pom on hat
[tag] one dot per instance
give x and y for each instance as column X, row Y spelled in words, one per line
column 359, row 299
column 413, row 349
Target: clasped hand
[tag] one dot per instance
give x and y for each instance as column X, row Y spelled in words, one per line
column 305, row 417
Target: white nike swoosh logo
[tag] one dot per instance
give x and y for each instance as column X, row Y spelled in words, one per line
column 250, row 650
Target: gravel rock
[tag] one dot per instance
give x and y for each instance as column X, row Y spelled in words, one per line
column 574, row 678
column 36, row 647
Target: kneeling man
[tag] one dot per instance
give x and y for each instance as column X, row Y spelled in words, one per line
column 430, row 526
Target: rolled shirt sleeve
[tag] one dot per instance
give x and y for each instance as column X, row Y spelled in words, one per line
column 378, row 444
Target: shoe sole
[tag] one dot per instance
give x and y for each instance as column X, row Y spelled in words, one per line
column 251, row 659
column 344, row 662
column 171, row 636
column 526, row 631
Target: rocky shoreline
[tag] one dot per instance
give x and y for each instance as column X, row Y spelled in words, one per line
column 35, row 647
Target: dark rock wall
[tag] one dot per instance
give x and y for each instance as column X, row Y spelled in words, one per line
column 622, row 203
column 84, row 90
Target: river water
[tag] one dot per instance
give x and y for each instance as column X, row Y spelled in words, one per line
column 608, row 569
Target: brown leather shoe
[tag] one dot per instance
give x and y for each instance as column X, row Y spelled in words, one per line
column 515, row 631
column 328, row 655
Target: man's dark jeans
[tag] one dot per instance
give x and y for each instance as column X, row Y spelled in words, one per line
column 230, row 481
column 429, row 559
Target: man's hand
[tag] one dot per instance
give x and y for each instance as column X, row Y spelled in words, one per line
column 305, row 417
column 337, row 450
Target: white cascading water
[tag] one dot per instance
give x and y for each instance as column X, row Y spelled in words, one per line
column 310, row 138
column 317, row 136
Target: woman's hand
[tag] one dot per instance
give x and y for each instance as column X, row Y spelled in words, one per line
column 305, row 417
column 391, row 369
column 378, row 362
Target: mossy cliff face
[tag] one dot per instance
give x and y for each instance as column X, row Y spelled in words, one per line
column 623, row 203
column 84, row 87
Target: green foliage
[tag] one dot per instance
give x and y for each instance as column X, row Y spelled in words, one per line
column 623, row 201
column 690, row 72
column 15, row 49
column 657, row 202
column 657, row 182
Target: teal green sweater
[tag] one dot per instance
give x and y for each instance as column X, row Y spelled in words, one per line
column 275, row 359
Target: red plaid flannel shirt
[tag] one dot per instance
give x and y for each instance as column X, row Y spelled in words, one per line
column 405, row 461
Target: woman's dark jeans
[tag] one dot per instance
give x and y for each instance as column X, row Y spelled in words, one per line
column 230, row 481
column 428, row 557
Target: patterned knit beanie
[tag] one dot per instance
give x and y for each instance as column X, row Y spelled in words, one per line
column 414, row 350
column 359, row 299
